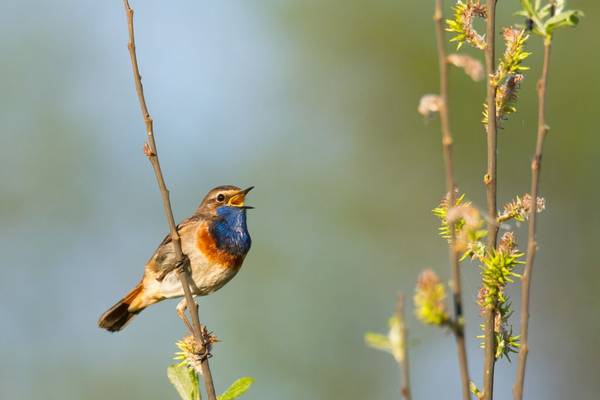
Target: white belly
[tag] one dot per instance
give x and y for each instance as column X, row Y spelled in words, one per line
column 207, row 278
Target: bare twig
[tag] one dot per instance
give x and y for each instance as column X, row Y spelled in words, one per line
column 536, row 164
column 490, row 176
column 450, row 188
column 491, row 188
column 405, row 371
column 151, row 152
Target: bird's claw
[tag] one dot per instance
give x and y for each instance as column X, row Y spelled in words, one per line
column 182, row 264
column 208, row 338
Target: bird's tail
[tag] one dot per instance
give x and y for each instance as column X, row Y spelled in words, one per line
column 116, row 317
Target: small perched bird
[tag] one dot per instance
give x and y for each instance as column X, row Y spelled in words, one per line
column 215, row 239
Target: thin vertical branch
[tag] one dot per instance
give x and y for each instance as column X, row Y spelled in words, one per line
column 450, row 188
column 491, row 189
column 404, row 365
column 492, row 125
column 536, row 164
column 151, row 152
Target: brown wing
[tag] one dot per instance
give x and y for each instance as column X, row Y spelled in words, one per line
column 164, row 256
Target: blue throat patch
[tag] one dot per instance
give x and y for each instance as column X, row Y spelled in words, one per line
column 230, row 231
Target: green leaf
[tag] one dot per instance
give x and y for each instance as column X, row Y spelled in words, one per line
column 185, row 381
column 531, row 12
column 544, row 12
column 378, row 341
column 526, row 4
column 567, row 18
column 237, row 389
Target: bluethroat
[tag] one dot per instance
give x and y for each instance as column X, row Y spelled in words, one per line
column 215, row 240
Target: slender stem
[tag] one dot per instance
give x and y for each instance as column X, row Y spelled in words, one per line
column 492, row 148
column 151, row 152
column 404, row 365
column 536, row 164
column 491, row 189
column 450, row 188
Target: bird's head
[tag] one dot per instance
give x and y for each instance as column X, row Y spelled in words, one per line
column 223, row 198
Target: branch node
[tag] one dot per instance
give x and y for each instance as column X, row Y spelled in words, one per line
column 148, row 151
column 545, row 129
column 487, row 179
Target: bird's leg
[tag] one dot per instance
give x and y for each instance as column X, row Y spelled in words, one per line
column 182, row 264
column 208, row 338
column 181, row 313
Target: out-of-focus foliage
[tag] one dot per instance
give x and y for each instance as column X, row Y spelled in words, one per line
column 547, row 16
column 462, row 24
column 509, row 73
column 430, row 296
column 394, row 342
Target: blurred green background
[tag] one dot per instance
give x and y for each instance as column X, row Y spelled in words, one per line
column 314, row 102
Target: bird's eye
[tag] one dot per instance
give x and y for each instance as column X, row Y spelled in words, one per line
column 220, row 197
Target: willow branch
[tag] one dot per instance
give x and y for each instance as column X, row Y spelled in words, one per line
column 536, row 164
column 404, row 365
column 151, row 152
column 491, row 188
column 450, row 188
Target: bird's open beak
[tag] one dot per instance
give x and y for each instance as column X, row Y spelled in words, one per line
column 237, row 200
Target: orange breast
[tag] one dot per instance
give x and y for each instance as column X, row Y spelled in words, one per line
column 206, row 244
